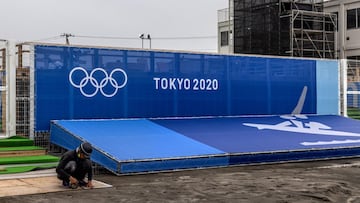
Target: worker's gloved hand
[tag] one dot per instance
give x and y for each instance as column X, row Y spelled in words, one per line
column 73, row 180
column 90, row 185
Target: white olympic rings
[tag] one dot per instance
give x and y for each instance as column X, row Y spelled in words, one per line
column 95, row 83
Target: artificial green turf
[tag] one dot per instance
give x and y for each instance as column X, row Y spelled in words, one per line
column 353, row 113
column 21, row 148
column 28, row 159
column 22, row 169
column 16, row 141
column 16, row 137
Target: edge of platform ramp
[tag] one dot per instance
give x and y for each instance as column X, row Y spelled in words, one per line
column 69, row 139
column 152, row 145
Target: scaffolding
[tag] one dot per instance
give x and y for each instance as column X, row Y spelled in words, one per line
column 285, row 28
column 23, row 93
column 3, row 93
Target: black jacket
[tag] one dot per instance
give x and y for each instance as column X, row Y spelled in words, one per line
column 83, row 166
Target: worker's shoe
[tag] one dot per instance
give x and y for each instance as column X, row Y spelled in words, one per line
column 69, row 185
column 65, row 183
column 82, row 183
column 73, row 185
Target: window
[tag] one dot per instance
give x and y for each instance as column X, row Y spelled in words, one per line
column 358, row 18
column 353, row 58
column 352, row 18
column 224, row 38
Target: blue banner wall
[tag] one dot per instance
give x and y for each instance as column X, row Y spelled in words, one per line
column 88, row 83
column 327, row 83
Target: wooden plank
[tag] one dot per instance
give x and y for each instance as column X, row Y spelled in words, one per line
column 38, row 185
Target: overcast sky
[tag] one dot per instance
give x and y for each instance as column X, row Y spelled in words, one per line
column 29, row 20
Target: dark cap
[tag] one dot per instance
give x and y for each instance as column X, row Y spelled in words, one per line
column 86, row 148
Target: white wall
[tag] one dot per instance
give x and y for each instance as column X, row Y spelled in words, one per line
column 223, row 27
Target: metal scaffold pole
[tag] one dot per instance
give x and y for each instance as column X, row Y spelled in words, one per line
column 343, row 86
column 11, row 89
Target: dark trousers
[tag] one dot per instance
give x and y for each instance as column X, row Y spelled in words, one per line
column 77, row 170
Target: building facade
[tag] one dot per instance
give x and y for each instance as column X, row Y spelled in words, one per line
column 348, row 43
column 348, row 12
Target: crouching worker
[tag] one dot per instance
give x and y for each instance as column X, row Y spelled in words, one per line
column 74, row 165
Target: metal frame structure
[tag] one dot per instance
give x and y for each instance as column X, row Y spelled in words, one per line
column 25, row 91
column 284, row 27
column 3, row 90
column 351, row 80
column 15, row 92
column 8, row 91
column 312, row 34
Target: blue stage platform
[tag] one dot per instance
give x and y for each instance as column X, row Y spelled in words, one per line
column 149, row 145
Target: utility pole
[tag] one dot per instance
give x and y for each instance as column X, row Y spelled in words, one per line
column 149, row 38
column 67, row 35
column 142, row 37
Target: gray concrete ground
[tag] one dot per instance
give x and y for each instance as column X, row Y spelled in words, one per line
column 321, row 181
